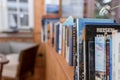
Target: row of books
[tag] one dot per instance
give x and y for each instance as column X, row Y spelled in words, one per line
column 89, row 46
column 98, row 62
column 62, row 38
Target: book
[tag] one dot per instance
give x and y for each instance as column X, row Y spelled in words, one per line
column 58, row 37
column 100, row 58
column 44, row 33
column 90, row 32
column 63, row 42
column 71, row 40
column 70, row 49
column 110, row 40
column 114, row 55
column 81, row 23
column 107, row 59
column 91, row 50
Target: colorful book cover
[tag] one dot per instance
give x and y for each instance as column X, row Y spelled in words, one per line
column 92, row 31
column 81, row 23
column 100, row 58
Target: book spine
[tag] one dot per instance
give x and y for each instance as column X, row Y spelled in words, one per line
column 107, row 59
column 83, row 44
column 74, row 45
column 113, row 55
column 63, row 41
column 100, row 58
column 81, row 62
column 59, row 38
column 57, row 33
column 70, row 45
column 67, row 44
column 44, row 32
column 117, row 56
column 110, row 59
column 53, row 34
column 91, row 54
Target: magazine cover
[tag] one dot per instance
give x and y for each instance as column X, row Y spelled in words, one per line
column 100, row 58
column 92, row 31
column 81, row 23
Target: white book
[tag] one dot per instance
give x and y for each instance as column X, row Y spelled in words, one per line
column 60, row 39
column 113, row 54
column 44, row 33
column 116, row 55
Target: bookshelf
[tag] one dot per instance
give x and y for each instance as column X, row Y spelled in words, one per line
column 56, row 66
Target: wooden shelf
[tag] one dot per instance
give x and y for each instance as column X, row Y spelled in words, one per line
column 60, row 61
column 51, row 16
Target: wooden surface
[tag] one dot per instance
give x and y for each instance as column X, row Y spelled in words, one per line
column 56, row 66
column 19, row 37
column 3, row 60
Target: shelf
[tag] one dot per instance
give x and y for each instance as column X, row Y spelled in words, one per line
column 67, row 70
column 51, row 16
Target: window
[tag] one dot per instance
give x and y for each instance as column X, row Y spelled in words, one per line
column 17, row 14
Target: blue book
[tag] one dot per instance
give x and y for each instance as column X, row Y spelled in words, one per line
column 81, row 23
column 71, row 35
column 110, row 59
column 58, row 37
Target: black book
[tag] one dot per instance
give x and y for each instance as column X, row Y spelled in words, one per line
column 92, row 31
column 91, row 55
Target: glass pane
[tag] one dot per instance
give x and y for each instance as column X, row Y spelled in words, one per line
column 12, row 20
column 12, row 6
column 24, row 19
column 12, row 9
column 11, row 0
column 52, row 6
column 73, row 8
column 23, row 0
column 23, row 7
